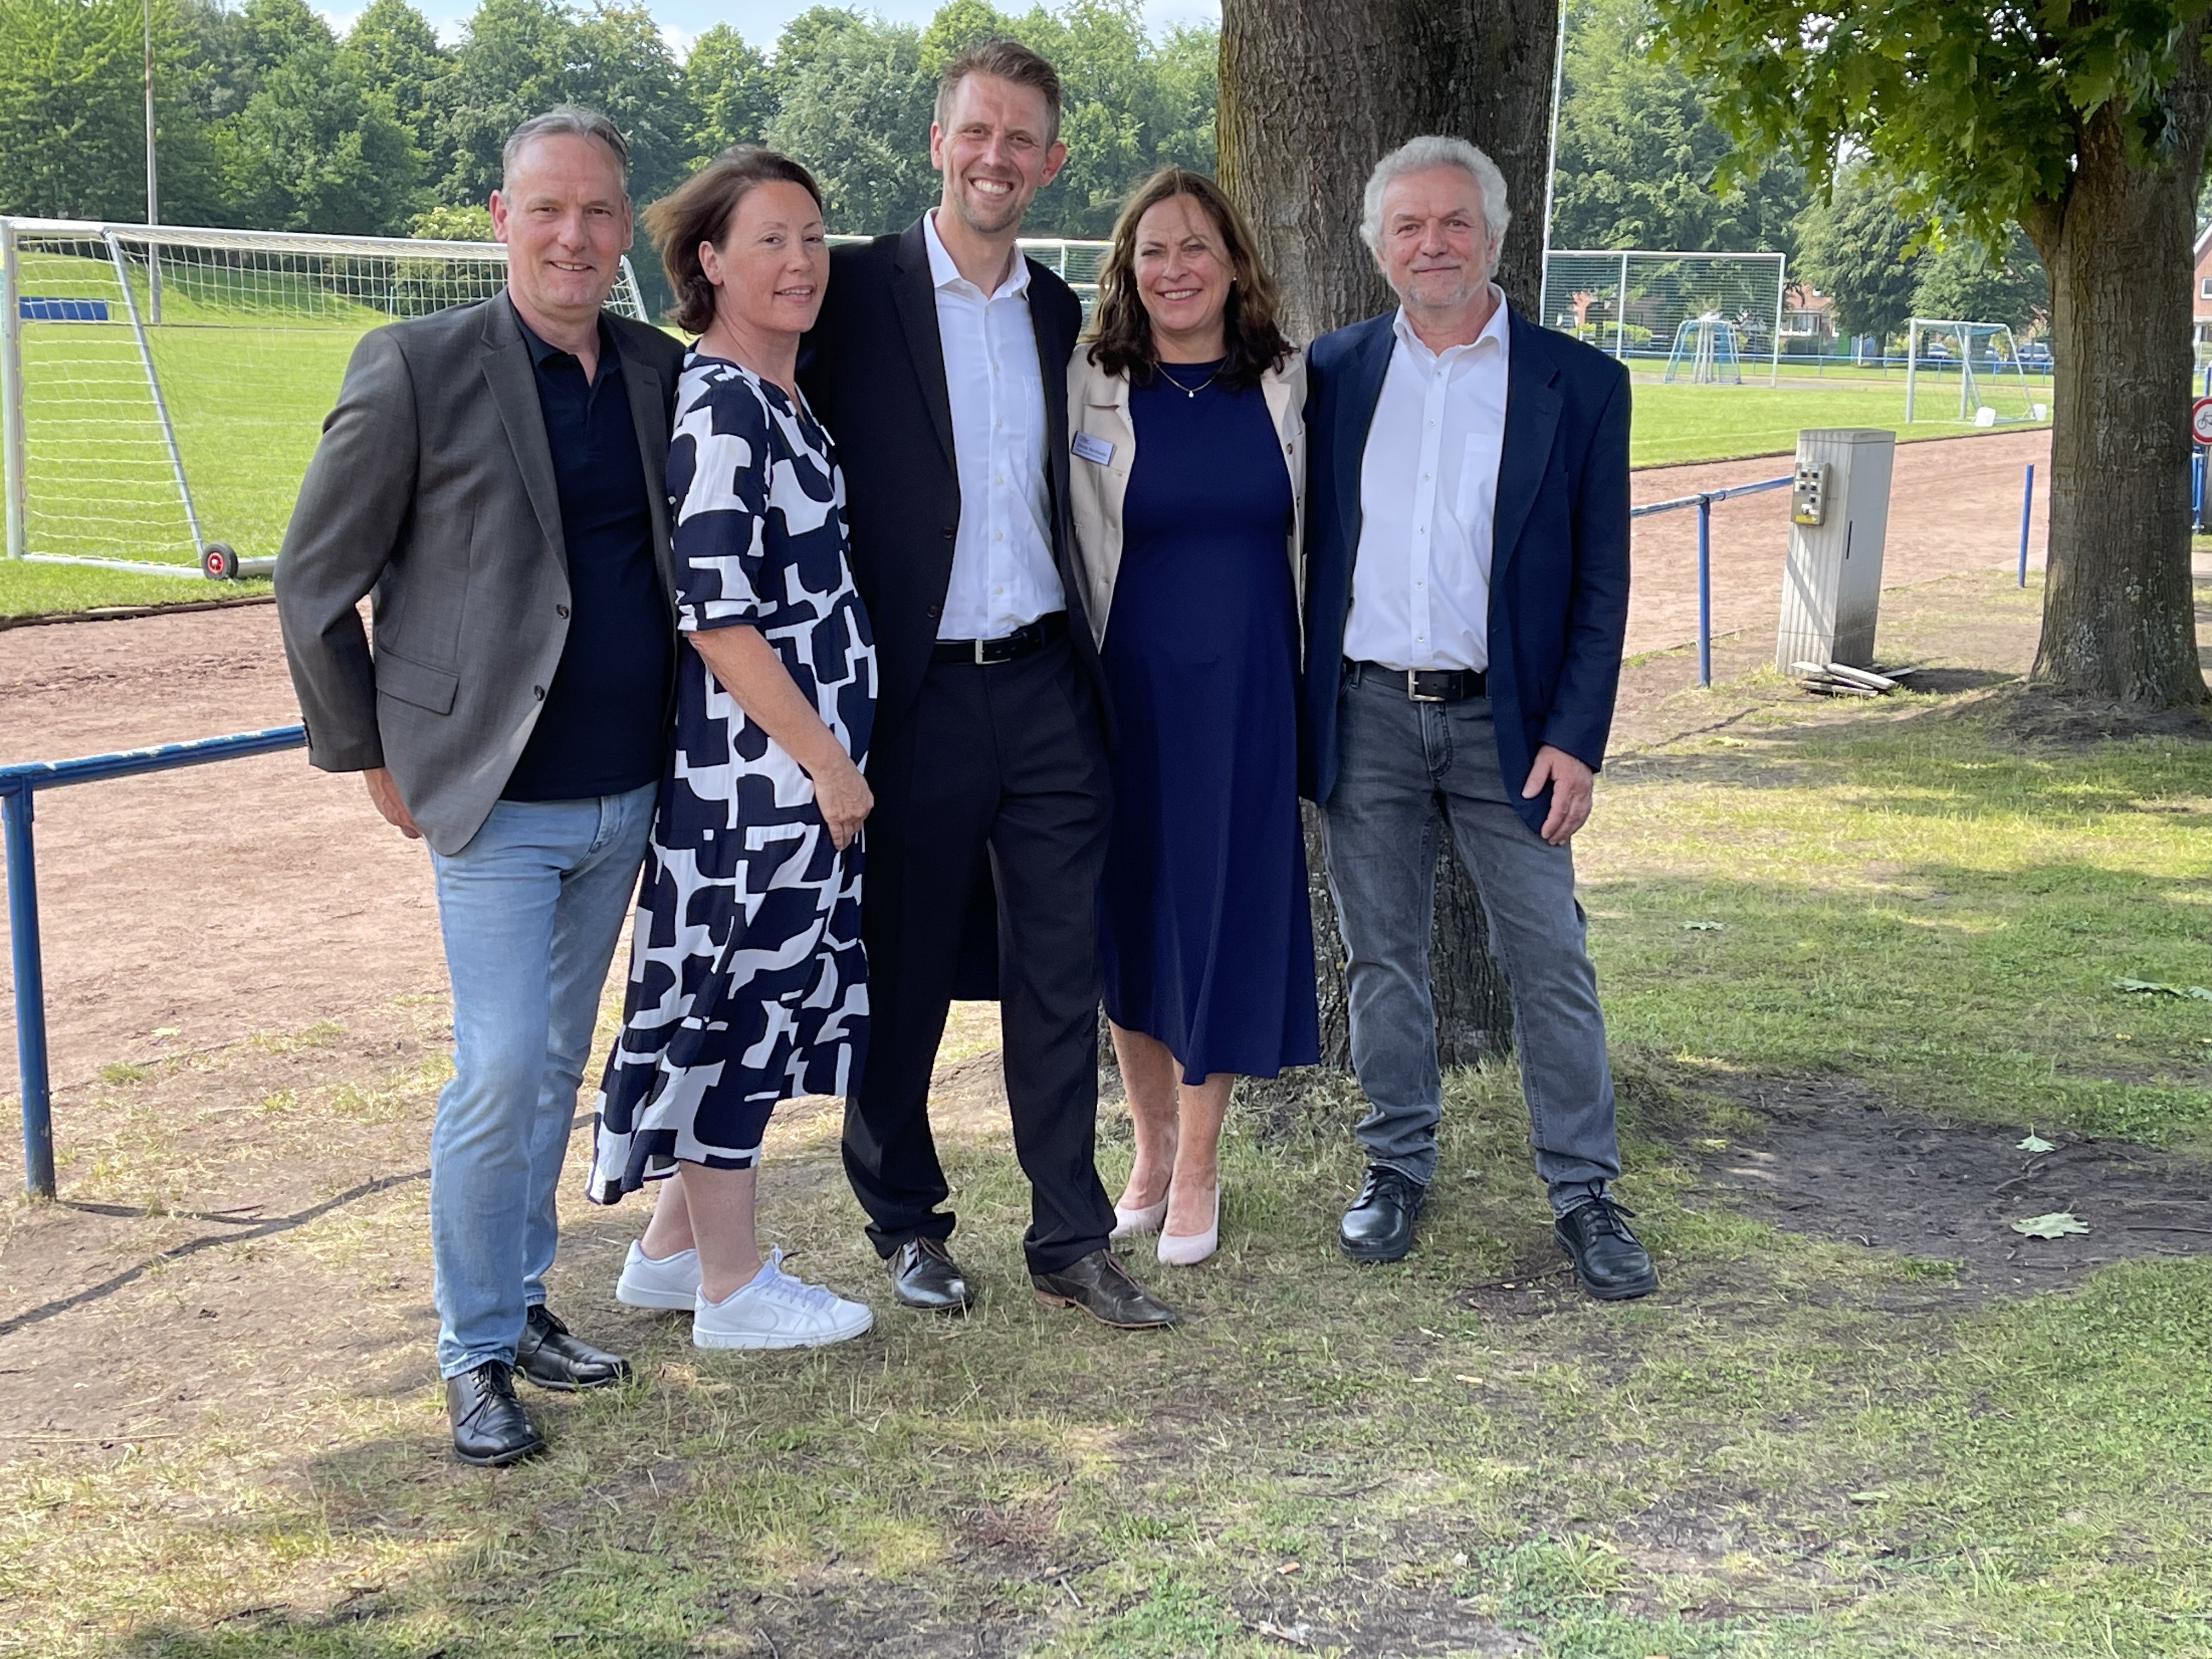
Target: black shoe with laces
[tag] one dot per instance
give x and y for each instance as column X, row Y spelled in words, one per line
column 1610, row 1262
column 1379, row 1226
column 553, row 1356
column 489, row 1425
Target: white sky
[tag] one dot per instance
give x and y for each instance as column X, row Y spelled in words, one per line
column 761, row 21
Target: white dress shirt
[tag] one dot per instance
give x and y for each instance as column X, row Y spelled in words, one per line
column 1003, row 577
column 1428, row 503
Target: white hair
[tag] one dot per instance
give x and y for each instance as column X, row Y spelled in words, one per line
column 1421, row 154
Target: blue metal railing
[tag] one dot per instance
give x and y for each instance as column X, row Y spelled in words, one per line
column 1704, row 502
column 18, row 784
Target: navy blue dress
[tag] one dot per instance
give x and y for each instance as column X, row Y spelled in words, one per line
column 1205, row 937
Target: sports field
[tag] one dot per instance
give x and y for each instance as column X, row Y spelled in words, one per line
column 248, row 377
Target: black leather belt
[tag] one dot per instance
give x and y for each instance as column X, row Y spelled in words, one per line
column 1022, row 642
column 1423, row 685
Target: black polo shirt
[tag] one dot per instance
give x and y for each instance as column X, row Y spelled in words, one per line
column 605, row 726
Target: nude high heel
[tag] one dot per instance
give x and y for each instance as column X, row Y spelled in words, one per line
column 1130, row 1224
column 1188, row 1250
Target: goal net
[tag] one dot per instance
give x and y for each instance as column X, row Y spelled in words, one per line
column 163, row 388
column 1078, row 263
column 1636, row 303
column 1972, row 373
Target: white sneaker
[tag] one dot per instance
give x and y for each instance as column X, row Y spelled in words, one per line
column 670, row 1282
column 777, row 1311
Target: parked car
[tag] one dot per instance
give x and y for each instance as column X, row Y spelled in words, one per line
column 2035, row 356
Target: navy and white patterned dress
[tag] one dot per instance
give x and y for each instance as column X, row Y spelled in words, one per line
column 747, row 982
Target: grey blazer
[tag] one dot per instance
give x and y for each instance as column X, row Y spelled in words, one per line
column 433, row 487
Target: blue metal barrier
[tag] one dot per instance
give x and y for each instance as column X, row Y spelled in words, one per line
column 2027, row 504
column 1704, row 502
column 18, row 784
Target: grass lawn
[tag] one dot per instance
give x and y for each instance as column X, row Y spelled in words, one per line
column 1803, row 1448
column 1677, row 422
column 28, row 589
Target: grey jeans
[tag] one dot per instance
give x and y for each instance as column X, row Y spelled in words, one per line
column 1409, row 768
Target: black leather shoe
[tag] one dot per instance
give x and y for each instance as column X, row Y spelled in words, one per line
column 549, row 1357
column 1379, row 1226
column 489, row 1425
column 1612, row 1265
column 1099, row 1285
column 924, row 1275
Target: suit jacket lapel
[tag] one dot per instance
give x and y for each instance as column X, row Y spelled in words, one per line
column 650, row 401
column 514, row 394
column 1052, row 354
column 1355, row 415
column 916, row 296
column 1532, row 419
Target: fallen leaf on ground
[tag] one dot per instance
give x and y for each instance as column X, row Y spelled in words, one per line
column 1288, row 1566
column 2151, row 987
column 2035, row 1144
column 2057, row 1224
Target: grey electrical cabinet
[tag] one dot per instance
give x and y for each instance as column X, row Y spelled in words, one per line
column 1839, row 518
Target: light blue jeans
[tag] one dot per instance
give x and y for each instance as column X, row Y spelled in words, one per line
column 531, row 910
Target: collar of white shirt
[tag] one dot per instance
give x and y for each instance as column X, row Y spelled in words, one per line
column 1495, row 329
column 943, row 273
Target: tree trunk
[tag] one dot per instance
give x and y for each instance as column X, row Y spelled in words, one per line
column 2118, row 616
column 1313, row 93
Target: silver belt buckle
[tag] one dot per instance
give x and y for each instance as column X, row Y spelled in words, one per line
column 976, row 647
column 1413, row 692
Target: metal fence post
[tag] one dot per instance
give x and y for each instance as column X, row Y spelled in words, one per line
column 1705, row 590
column 12, row 447
column 2026, row 501
column 30, row 996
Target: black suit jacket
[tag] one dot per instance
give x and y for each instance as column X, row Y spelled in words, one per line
column 874, row 368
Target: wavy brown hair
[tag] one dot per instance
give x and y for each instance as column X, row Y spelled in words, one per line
column 1121, row 332
column 700, row 210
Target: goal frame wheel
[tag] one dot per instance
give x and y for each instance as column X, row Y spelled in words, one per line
column 219, row 562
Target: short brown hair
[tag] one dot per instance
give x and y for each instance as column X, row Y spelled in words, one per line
column 1121, row 332
column 1003, row 60
column 700, row 210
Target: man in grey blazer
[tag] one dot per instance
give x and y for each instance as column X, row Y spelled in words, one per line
column 494, row 474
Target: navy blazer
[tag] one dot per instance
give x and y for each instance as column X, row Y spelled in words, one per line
column 1558, row 569
column 872, row 369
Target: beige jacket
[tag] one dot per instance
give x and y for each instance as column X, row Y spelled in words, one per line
column 1098, row 415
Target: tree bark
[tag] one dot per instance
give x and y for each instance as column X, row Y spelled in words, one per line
column 2119, row 617
column 1313, row 93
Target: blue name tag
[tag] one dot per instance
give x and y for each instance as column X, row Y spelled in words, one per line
column 1092, row 447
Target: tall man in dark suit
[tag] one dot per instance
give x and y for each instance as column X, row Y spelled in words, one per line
column 494, row 474
column 1466, row 594
column 939, row 366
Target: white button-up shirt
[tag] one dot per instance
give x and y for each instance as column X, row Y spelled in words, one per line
column 1003, row 577
column 1428, row 503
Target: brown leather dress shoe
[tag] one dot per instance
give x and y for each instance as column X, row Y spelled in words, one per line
column 1099, row 1285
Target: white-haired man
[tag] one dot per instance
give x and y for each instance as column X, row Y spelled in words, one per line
column 1467, row 593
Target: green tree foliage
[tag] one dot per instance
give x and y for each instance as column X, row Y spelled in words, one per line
column 72, row 115
column 726, row 84
column 1859, row 250
column 398, row 54
column 1962, row 282
column 854, row 106
column 315, row 146
column 513, row 63
column 1640, row 158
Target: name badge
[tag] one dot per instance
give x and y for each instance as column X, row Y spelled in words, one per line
column 1092, row 447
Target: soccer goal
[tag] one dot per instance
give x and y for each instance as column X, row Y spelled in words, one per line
column 1637, row 302
column 1982, row 359
column 1705, row 352
column 162, row 388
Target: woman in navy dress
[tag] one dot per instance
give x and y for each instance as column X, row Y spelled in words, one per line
column 747, row 982
column 1187, row 477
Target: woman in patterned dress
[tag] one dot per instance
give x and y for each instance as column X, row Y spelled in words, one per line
column 747, row 982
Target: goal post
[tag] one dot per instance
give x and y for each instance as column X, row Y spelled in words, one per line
column 1985, row 360
column 1633, row 303
column 162, row 387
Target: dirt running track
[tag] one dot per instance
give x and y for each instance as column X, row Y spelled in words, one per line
column 187, row 911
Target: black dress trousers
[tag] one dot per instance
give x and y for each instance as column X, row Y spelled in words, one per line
column 1003, row 762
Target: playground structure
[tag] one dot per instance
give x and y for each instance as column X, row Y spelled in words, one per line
column 1993, row 388
column 1706, row 351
